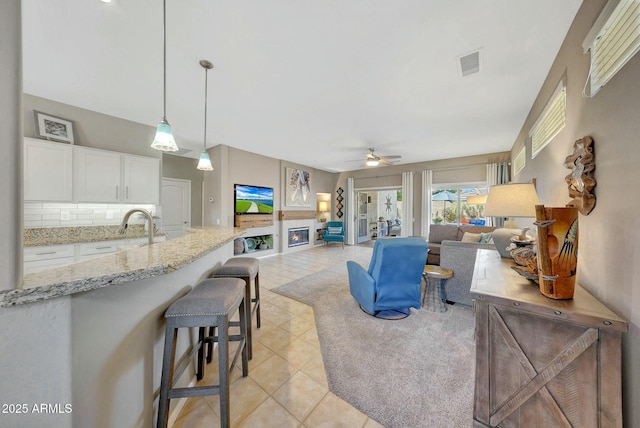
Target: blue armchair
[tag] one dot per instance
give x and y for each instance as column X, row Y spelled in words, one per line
column 334, row 232
column 393, row 283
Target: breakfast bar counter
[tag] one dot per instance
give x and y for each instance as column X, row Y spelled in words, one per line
column 86, row 339
column 125, row 266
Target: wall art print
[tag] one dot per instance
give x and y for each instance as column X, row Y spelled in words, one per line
column 54, row 128
column 298, row 188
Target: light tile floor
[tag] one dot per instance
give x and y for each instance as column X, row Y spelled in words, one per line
column 287, row 385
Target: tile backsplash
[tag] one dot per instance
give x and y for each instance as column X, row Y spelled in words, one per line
column 51, row 214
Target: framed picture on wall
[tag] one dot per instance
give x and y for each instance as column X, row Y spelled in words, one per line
column 54, row 128
column 298, row 188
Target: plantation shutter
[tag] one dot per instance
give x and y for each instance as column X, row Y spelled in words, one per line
column 550, row 122
column 615, row 44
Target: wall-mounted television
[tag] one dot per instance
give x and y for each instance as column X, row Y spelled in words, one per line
column 253, row 199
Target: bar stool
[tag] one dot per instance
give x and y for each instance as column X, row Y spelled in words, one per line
column 248, row 269
column 210, row 304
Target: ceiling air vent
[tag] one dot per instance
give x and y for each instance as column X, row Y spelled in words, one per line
column 469, row 64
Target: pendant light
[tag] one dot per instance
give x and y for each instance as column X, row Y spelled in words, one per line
column 164, row 140
column 205, row 162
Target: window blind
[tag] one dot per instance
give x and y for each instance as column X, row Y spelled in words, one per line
column 550, row 122
column 616, row 43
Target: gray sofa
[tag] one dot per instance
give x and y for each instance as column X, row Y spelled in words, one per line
column 449, row 232
column 460, row 257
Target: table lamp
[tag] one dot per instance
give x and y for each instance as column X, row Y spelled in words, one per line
column 510, row 200
column 477, row 200
column 323, row 207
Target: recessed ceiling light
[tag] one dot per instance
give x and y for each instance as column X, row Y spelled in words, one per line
column 105, row 1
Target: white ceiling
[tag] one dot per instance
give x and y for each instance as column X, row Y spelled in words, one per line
column 311, row 82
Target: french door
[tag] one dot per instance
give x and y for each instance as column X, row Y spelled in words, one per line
column 362, row 219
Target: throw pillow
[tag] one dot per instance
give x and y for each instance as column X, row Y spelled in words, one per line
column 486, row 238
column 471, row 237
column 334, row 230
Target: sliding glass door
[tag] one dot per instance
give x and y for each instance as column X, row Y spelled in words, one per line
column 362, row 219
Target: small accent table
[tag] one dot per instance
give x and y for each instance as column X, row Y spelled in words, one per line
column 435, row 277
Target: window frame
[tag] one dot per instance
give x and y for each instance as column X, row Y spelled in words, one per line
column 611, row 30
column 519, row 161
column 547, row 120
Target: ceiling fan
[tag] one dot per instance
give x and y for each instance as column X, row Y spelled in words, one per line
column 374, row 160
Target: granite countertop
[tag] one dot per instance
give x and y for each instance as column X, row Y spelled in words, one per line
column 37, row 236
column 125, row 266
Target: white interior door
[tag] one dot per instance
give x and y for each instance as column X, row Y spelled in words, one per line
column 363, row 220
column 176, row 206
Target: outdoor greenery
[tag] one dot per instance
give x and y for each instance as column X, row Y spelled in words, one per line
column 450, row 206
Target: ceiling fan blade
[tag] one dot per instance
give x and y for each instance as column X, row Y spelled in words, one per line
column 391, row 157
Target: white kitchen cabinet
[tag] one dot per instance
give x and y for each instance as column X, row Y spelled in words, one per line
column 48, row 171
column 90, row 250
column 98, row 175
column 141, row 179
column 104, row 176
column 47, row 257
column 50, row 256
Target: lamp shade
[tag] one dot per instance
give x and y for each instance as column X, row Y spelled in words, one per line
column 164, row 140
column 511, row 200
column 204, row 163
column 477, row 200
column 323, row 206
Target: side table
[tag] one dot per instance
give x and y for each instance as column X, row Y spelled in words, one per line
column 435, row 277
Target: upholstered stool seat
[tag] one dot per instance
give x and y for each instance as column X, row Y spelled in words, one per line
column 210, row 304
column 247, row 269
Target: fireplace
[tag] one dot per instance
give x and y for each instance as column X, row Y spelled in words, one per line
column 298, row 236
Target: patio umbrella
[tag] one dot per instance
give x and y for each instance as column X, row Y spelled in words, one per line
column 445, row 196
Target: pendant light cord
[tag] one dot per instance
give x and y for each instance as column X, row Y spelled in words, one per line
column 164, row 58
column 206, row 73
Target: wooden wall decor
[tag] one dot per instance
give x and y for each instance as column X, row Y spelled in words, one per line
column 253, row 220
column 580, row 180
column 296, row 215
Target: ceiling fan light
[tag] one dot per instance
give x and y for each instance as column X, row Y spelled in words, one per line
column 164, row 140
column 372, row 162
column 204, row 164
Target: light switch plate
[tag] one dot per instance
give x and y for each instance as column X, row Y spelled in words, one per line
column 65, row 215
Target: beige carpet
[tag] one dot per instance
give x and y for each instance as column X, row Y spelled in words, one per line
column 415, row 372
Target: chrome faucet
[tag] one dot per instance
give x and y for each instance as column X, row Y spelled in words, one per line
column 125, row 222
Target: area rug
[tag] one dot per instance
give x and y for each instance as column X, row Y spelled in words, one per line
column 413, row 372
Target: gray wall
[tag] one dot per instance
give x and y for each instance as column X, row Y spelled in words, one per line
column 458, row 170
column 10, row 139
column 235, row 166
column 608, row 252
column 34, row 363
column 92, row 129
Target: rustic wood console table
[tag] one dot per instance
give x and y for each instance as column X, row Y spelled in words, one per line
column 542, row 362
